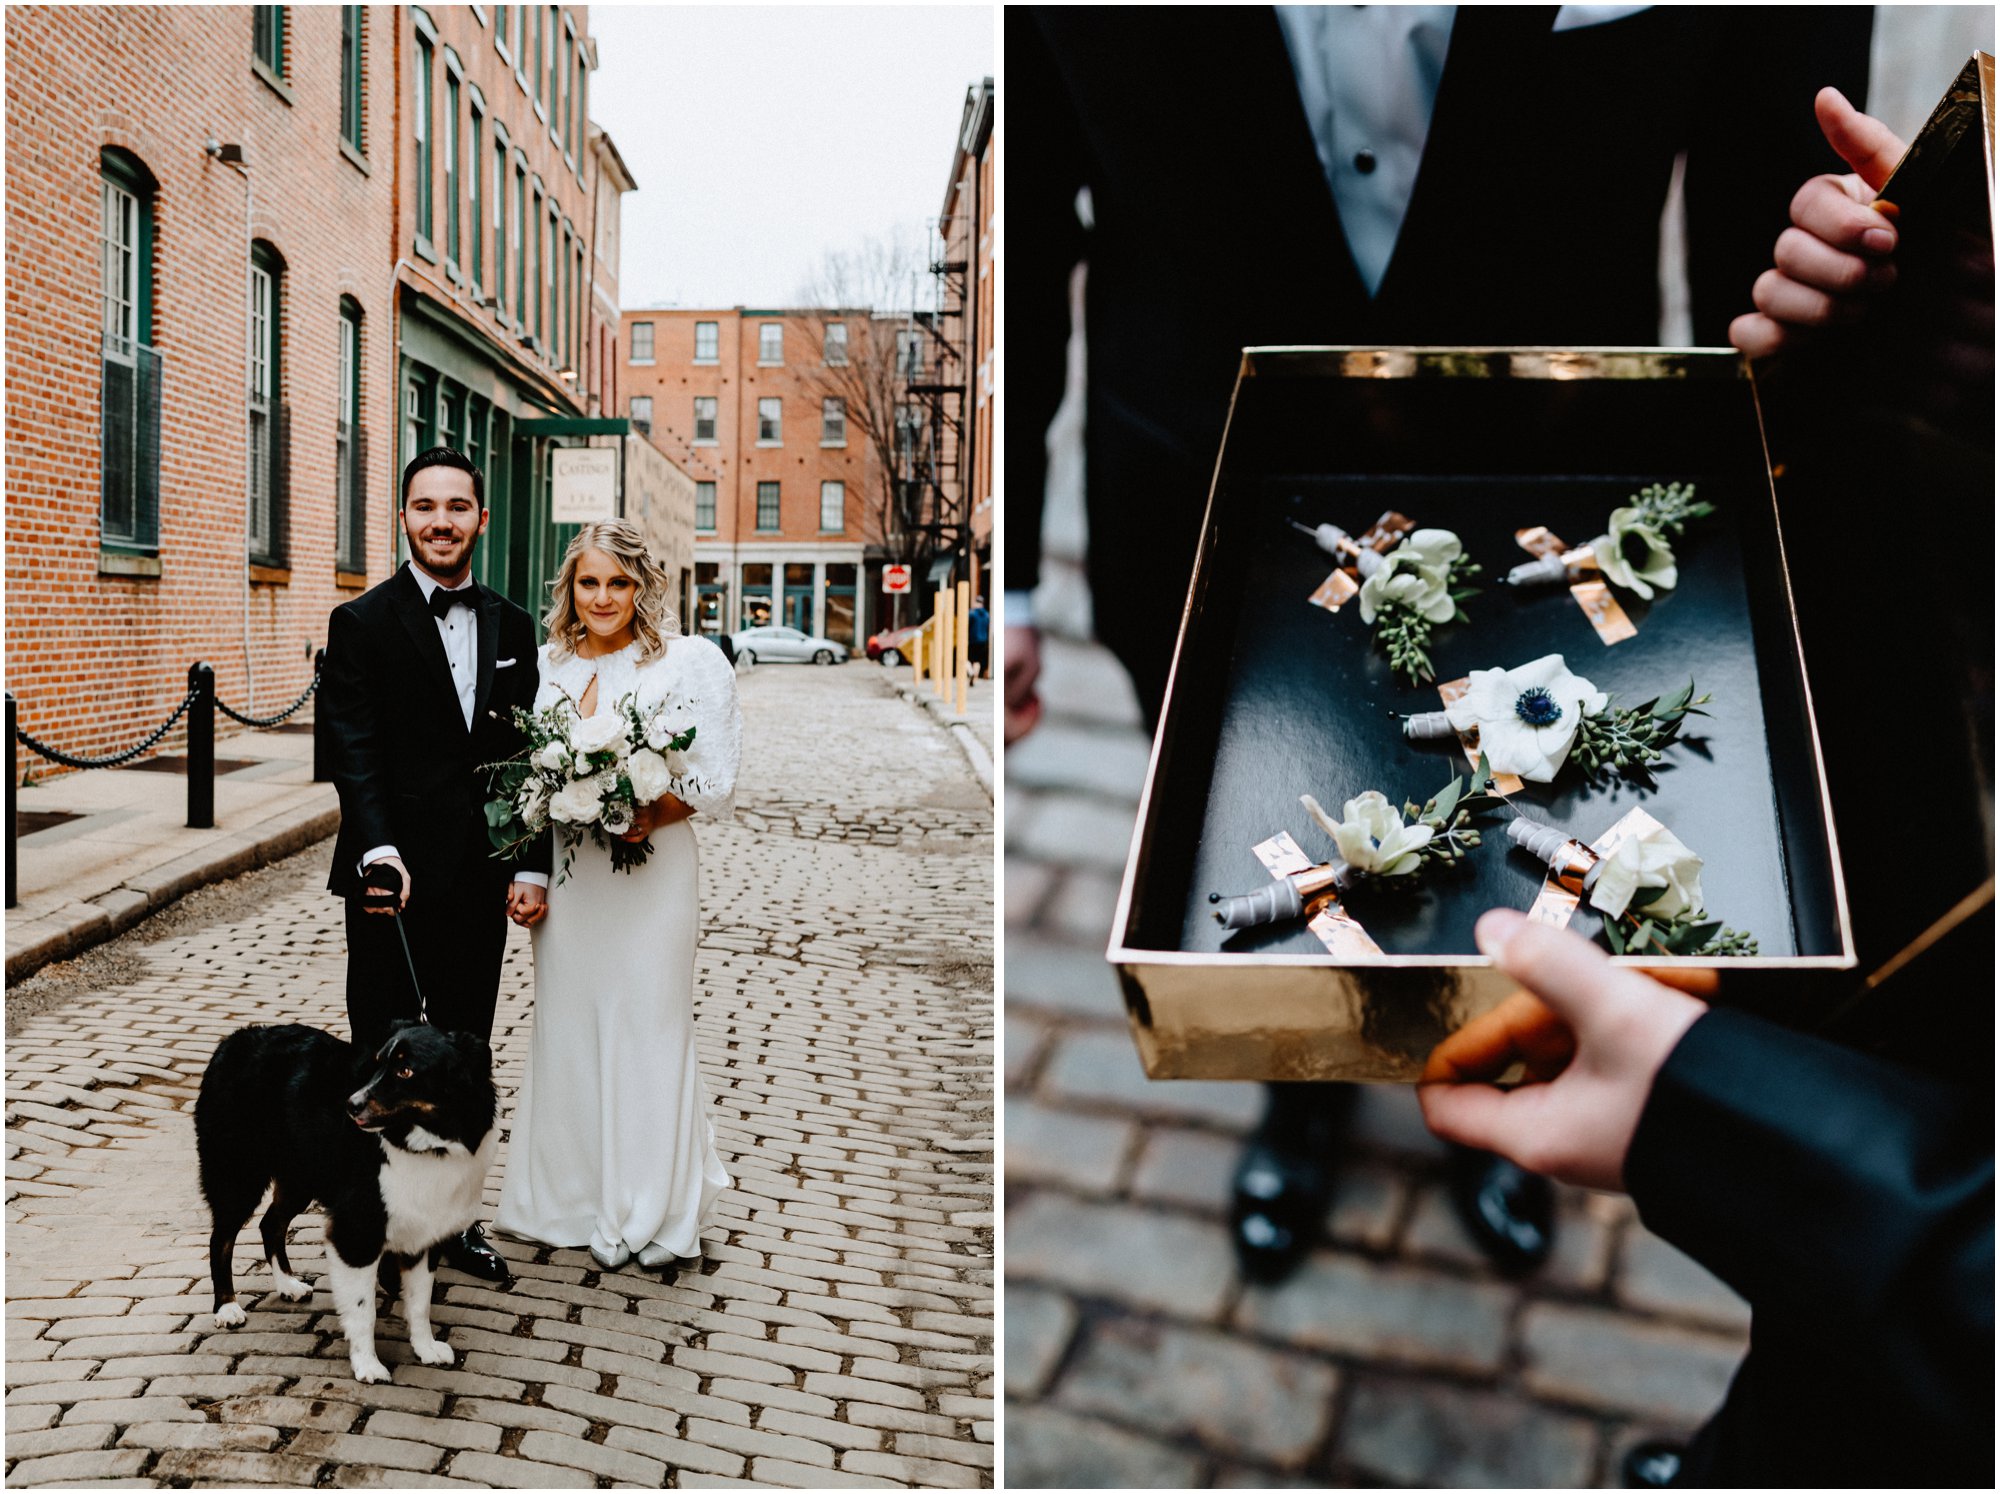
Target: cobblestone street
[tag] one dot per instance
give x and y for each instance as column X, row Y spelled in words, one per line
column 840, row 1329
column 1135, row 1356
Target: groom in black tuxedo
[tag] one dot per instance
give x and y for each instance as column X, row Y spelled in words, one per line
column 422, row 676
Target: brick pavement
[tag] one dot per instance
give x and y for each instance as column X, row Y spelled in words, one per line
column 840, row 1330
column 1134, row 1355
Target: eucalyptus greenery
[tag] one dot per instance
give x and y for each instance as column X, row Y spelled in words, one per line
column 1405, row 633
column 1632, row 740
column 1449, row 814
column 1635, row 934
column 1671, row 507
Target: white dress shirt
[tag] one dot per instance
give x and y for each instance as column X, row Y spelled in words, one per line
column 458, row 631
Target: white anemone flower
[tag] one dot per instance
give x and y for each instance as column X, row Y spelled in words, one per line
column 1655, row 859
column 1416, row 574
column 1635, row 555
column 1527, row 717
column 1371, row 834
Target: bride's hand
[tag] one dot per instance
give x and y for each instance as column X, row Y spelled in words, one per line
column 664, row 811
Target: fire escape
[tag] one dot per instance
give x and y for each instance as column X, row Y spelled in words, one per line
column 933, row 498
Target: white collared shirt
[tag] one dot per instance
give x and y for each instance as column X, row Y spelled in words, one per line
column 458, row 631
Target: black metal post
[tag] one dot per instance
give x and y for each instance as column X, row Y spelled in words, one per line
column 322, row 768
column 13, row 782
column 201, row 748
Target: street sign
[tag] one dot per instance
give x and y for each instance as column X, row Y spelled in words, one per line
column 895, row 579
column 583, row 484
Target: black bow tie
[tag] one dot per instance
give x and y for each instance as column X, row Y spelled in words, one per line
column 443, row 601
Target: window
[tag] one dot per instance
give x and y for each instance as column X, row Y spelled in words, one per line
column 500, row 32
column 129, row 504
column 833, row 421
column 704, row 507
column 836, row 345
column 351, row 511
column 550, row 84
column 577, row 325
column 704, row 418
column 909, row 354
column 267, row 435
column 642, row 413
column 770, row 425
column 767, row 505
column 475, row 158
column 531, row 309
column 423, row 133
column 499, row 194
column 267, row 37
column 576, row 105
column 350, row 75
column 706, row 342
column 451, row 169
column 517, row 305
column 832, row 505
column 560, row 86
column 642, row 342
column 771, row 343
column 546, row 317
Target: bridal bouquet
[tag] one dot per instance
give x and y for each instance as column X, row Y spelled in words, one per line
column 589, row 774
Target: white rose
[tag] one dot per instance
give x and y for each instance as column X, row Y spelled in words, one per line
column 555, row 757
column 1635, row 555
column 577, row 803
column 1371, row 834
column 603, row 732
column 1527, row 717
column 1655, row 859
column 649, row 774
column 1416, row 574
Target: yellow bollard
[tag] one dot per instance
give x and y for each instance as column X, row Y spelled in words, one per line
column 941, row 642
column 964, row 658
column 917, row 654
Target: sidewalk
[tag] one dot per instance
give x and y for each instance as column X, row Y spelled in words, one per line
column 973, row 731
column 116, row 846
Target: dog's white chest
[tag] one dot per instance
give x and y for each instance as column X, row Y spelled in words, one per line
column 431, row 1195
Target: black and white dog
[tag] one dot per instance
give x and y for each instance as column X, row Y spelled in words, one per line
column 394, row 1146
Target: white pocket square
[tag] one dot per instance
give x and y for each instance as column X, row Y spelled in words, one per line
column 506, row 663
column 1577, row 17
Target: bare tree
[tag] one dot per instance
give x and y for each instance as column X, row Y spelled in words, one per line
column 869, row 293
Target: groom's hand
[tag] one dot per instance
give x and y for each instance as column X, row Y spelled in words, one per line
column 378, row 898
column 527, row 903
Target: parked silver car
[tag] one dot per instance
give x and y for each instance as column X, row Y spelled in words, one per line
column 776, row 644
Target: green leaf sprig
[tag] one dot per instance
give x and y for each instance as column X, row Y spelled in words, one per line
column 1670, row 508
column 1631, row 741
column 1450, row 812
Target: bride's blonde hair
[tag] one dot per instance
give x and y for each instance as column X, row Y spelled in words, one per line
column 653, row 621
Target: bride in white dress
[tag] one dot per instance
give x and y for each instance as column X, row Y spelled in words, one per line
column 612, row 1146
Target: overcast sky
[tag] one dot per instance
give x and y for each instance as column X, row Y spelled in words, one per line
column 762, row 137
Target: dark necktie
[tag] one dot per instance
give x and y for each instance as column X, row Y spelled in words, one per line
column 443, row 601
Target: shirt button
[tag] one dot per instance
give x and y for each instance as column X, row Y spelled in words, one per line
column 1364, row 161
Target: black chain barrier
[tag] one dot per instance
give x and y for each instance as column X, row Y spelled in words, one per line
column 235, row 715
column 116, row 758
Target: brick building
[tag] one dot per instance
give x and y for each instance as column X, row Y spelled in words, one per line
column 788, row 502
column 256, row 256
column 966, row 228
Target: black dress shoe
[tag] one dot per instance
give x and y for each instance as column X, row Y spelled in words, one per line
column 471, row 1254
column 1510, row 1213
column 1651, row 1465
column 1280, row 1204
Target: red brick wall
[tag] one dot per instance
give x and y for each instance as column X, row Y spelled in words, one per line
column 737, row 383
column 97, row 661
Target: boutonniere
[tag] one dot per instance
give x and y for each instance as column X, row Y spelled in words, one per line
column 1529, row 720
column 1409, row 581
column 1635, row 553
column 1373, row 842
column 1643, row 882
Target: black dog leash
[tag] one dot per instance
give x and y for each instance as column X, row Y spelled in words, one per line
column 383, row 876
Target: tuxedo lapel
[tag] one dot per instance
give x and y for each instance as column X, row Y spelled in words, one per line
column 419, row 622
column 489, row 643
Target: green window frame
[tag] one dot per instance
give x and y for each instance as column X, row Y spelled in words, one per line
column 767, row 508
column 425, row 206
column 267, row 37
column 476, row 159
column 451, row 168
column 132, row 369
column 351, row 488
column 266, row 408
column 350, row 76
column 519, row 304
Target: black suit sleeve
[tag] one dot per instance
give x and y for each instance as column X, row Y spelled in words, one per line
column 1046, row 243
column 354, row 732
column 1753, row 140
column 539, row 854
column 1849, row 1201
